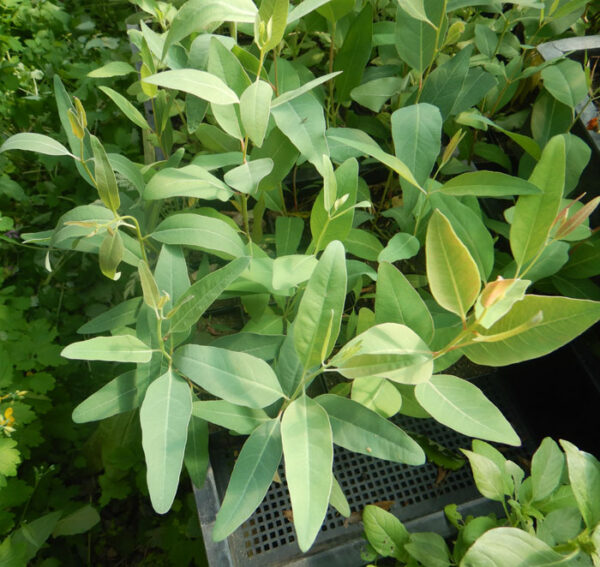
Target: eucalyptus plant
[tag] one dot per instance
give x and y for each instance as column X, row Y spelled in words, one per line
column 321, row 296
column 550, row 517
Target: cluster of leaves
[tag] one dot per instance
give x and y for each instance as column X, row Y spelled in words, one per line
column 550, row 518
column 287, row 189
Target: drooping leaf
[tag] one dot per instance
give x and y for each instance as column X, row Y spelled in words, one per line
column 561, row 320
column 338, row 500
column 236, row 377
column 452, row 273
column 362, row 430
column 462, row 406
column 388, row 350
column 308, row 454
column 195, row 457
column 255, row 109
column 80, row 521
column 119, row 348
column 488, row 184
column 164, row 417
column 318, row 321
column 112, row 69
column 106, row 182
column 32, row 142
column 211, row 234
column 199, row 83
column 110, row 255
column 251, row 477
column 126, row 107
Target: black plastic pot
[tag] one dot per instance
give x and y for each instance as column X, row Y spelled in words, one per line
column 267, row 539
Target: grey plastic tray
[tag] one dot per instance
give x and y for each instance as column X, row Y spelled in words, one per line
column 268, row 539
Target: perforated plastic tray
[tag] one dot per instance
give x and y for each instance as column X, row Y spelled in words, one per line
column 268, row 539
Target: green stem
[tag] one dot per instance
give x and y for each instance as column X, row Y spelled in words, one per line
column 244, row 199
column 138, row 235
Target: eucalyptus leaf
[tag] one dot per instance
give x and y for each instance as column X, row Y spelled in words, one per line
column 199, row 83
column 119, row 348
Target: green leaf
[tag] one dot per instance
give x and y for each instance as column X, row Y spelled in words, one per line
column 385, row 532
column 265, row 347
column 120, row 348
column 363, row 244
column 31, row 142
column 389, row 351
column 110, row 255
column 463, row 407
column 116, row 317
column 304, row 8
column 189, row 181
column 112, row 69
column 124, row 393
column 429, row 549
column 308, row 453
column 288, row 234
column 290, row 271
column 255, row 109
column 549, row 117
column 251, row 477
column 126, row 107
column 452, row 273
column 415, row 9
column 562, row 320
column 128, row 169
column 397, row 301
column 171, row 274
column 106, row 182
column 247, row 177
column 416, row 40
column 149, row 287
column 319, row 317
column 302, row 121
column 400, row 247
column 547, row 466
column 202, row 15
column 288, row 366
column 224, row 65
column 486, row 40
column 497, row 299
column 210, row 234
column 584, row 474
column 362, row 430
column 378, row 395
column 374, row 94
column 362, row 142
column 33, row 535
column 338, row 500
column 488, row 476
column 488, row 184
column 200, row 296
column 241, row 419
column 199, row 83
column 78, row 522
column 305, row 88
column 236, row 377
column 566, row 81
column 534, row 214
column 10, row 457
column 354, row 54
column 507, row 547
column 164, row 417
column 195, row 458
column 417, row 135
column 273, row 13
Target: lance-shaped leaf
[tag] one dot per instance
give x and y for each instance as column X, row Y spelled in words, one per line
column 388, row 350
column 377, row 394
column 126, row 107
column 319, row 317
column 361, row 430
column 397, row 301
column 561, row 320
column 149, row 287
column 164, row 417
column 120, row 348
column 247, row 177
column 584, row 474
column 308, row 452
column 121, row 394
column 200, row 296
column 488, row 184
column 241, row 419
column 273, row 15
column 236, row 377
column 189, row 181
column 251, row 477
column 452, row 273
column 32, row 142
column 338, row 500
column 206, row 233
column 535, row 214
column 106, row 182
column 306, row 87
column 199, row 83
column 195, row 458
column 255, row 109
column 507, row 547
column 119, row 316
column 462, row 406
column 171, row 274
column 385, row 532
